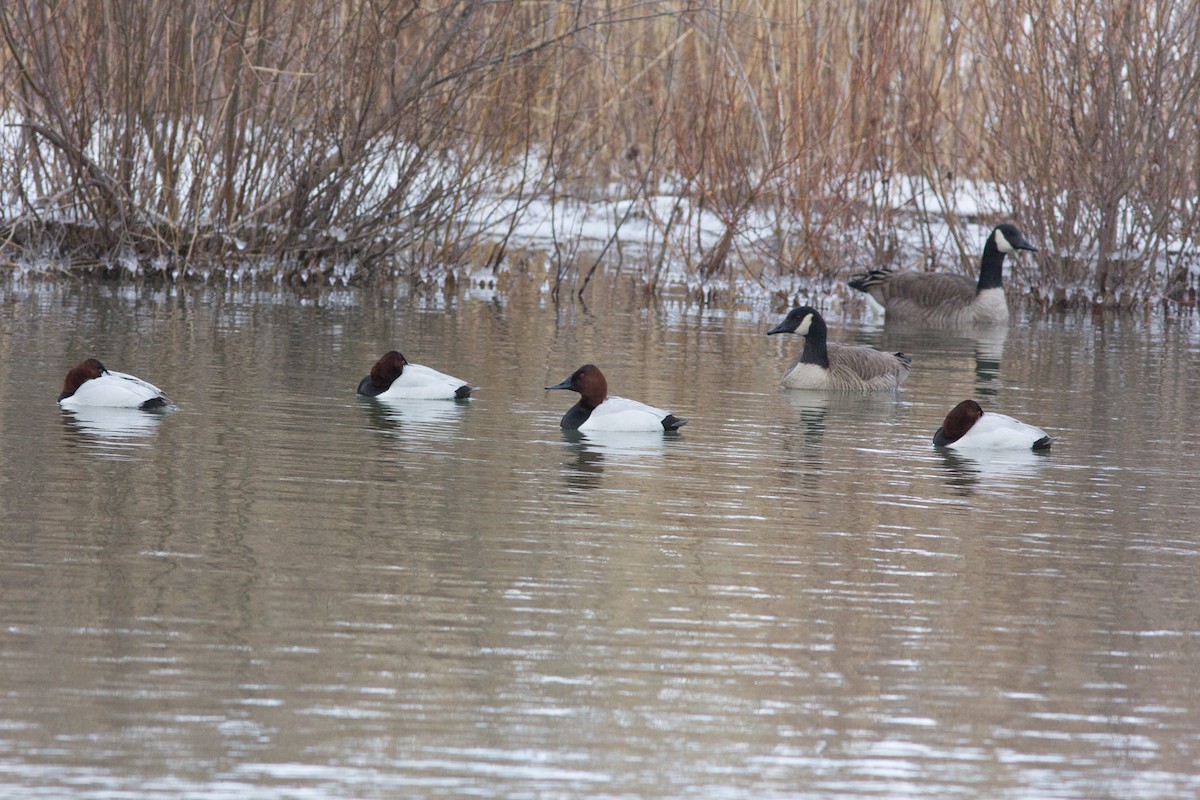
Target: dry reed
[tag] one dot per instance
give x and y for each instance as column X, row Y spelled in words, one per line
column 195, row 135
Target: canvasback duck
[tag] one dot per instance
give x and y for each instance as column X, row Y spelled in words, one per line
column 969, row 426
column 90, row 384
column 597, row 411
column 837, row 367
column 942, row 299
column 394, row 378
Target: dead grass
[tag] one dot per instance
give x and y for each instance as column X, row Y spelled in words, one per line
column 194, row 134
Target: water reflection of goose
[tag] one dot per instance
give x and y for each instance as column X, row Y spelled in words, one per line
column 989, row 350
column 811, row 407
column 107, row 428
column 983, row 345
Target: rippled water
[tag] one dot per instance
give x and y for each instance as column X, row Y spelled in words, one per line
column 279, row 590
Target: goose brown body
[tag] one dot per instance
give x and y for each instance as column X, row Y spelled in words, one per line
column 837, row 367
column 941, row 299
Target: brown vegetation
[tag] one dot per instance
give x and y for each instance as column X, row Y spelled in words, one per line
column 193, row 135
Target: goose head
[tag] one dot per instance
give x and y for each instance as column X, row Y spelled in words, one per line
column 1007, row 240
column 802, row 320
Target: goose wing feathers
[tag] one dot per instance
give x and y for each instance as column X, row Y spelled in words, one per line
column 856, row 366
column 923, row 290
column 852, row 368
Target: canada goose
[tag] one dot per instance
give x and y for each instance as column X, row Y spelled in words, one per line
column 968, row 426
column 945, row 300
column 837, row 367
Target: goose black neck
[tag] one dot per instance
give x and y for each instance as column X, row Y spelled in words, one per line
column 990, row 266
column 815, row 351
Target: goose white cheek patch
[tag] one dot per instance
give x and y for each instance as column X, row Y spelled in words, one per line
column 1002, row 243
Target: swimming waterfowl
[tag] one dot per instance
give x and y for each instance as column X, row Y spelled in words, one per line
column 394, row 378
column 597, row 411
column 945, row 300
column 837, row 367
column 90, row 384
column 968, row 426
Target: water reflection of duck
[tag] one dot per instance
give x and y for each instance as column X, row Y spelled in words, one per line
column 991, row 469
column 585, row 471
column 427, row 419
column 594, row 451
column 109, row 428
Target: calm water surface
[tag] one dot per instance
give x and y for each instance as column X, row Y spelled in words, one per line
column 279, row 590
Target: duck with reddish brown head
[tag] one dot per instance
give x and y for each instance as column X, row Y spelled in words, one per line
column 968, row 426
column 90, row 384
column 597, row 411
column 394, row 378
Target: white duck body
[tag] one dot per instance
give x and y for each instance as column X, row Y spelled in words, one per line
column 418, row 382
column 623, row 414
column 394, row 378
column 597, row 411
column 969, row 427
column 91, row 385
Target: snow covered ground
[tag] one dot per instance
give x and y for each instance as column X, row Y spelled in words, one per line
column 661, row 233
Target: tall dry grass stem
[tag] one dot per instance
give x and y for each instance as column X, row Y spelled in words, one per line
column 752, row 140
